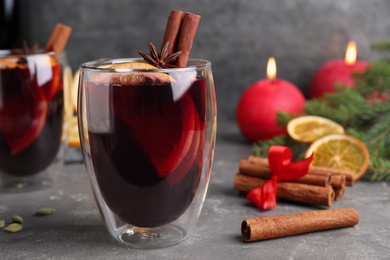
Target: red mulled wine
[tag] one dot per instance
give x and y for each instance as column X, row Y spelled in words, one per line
column 31, row 113
column 146, row 143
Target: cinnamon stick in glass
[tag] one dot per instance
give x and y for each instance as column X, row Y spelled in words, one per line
column 297, row 192
column 254, row 229
column 172, row 30
column 188, row 28
column 58, row 38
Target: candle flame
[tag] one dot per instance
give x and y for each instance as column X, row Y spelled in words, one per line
column 351, row 53
column 271, row 68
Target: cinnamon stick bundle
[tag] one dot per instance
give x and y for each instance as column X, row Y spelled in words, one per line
column 303, row 193
column 254, row 229
column 257, row 166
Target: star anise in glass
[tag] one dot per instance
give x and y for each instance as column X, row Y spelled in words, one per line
column 160, row 59
column 26, row 49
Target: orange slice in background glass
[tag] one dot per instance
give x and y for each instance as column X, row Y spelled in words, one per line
column 307, row 129
column 74, row 140
column 23, row 115
column 342, row 152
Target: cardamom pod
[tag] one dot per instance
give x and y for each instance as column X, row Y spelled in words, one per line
column 44, row 211
column 14, row 227
column 16, row 219
column 2, row 223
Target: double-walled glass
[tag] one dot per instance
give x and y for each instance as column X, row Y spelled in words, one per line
column 147, row 137
column 31, row 118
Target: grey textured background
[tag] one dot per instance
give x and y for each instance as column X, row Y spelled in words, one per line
column 237, row 36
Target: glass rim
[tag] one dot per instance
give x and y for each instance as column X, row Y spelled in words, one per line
column 95, row 65
column 5, row 53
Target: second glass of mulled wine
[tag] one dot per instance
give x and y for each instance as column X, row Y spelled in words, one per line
column 32, row 140
column 147, row 137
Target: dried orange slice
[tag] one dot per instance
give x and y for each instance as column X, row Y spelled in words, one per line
column 74, row 140
column 307, row 129
column 342, row 152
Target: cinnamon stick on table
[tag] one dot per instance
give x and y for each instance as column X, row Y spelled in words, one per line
column 308, row 194
column 172, row 30
column 254, row 229
column 258, row 166
column 262, row 171
column 58, row 38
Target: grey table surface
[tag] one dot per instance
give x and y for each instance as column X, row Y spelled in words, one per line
column 76, row 230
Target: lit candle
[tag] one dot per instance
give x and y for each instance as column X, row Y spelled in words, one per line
column 337, row 71
column 261, row 101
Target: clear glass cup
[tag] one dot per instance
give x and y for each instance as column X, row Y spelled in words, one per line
column 32, row 140
column 147, row 137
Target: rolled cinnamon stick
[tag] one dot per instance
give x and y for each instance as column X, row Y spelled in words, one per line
column 309, row 179
column 323, row 170
column 338, row 181
column 262, row 166
column 262, row 170
column 254, row 229
column 188, row 28
column 172, row 30
column 339, row 193
column 58, row 38
column 303, row 193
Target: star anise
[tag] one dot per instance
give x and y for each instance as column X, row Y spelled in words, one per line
column 160, row 59
column 26, row 49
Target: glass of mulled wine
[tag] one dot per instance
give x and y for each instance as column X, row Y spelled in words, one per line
column 31, row 119
column 147, row 137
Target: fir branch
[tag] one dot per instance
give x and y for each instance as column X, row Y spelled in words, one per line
column 379, row 133
column 380, row 169
column 282, row 118
column 381, row 46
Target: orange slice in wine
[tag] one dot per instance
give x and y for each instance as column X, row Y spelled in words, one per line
column 136, row 77
column 166, row 137
column 7, row 63
column 23, row 116
column 188, row 161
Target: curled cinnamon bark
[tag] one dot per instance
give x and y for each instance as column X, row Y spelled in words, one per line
column 303, row 193
column 188, row 28
column 254, row 229
column 172, row 30
column 58, row 38
column 262, row 170
column 257, row 166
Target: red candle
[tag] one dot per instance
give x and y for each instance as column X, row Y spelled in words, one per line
column 259, row 104
column 337, row 71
